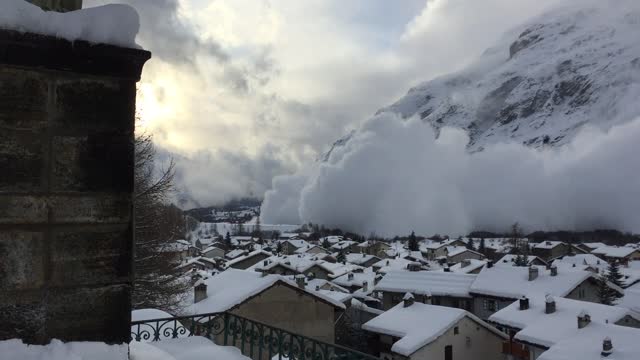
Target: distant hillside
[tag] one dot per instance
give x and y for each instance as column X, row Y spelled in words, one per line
column 235, row 210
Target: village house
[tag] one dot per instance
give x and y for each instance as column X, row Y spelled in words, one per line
column 372, row 247
column 620, row 254
column 312, row 249
column 510, row 260
column 456, row 254
column 386, row 265
column 364, row 260
column 499, row 286
column 415, row 331
column 289, row 247
column 549, row 250
column 536, row 323
column 230, row 255
column 469, row 266
column 270, row 299
column 248, row 260
column 429, row 287
column 589, row 247
column 435, row 249
column 213, row 252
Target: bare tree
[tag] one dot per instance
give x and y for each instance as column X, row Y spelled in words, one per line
column 158, row 224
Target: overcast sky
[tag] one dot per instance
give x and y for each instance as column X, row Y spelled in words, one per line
column 243, row 90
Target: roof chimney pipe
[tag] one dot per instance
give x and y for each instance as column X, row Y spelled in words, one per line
column 408, row 300
column 300, row 281
column 554, row 270
column 607, row 347
column 583, row 319
column 549, row 305
column 524, row 303
column 533, row 273
column 199, row 292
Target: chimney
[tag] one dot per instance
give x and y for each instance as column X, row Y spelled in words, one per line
column 365, row 286
column 554, row 270
column 300, row 281
column 490, row 264
column 408, row 300
column 427, row 298
column 377, row 279
column 524, row 303
column 265, row 263
column 364, row 255
column 350, row 276
column 583, row 319
column 533, row 273
column 465, row 263
column 317, row 287
column 550, row 305
column 607, row 347
column 199, row 292
column 446, row 268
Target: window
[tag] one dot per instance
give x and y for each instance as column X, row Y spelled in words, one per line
column 456, row 331
column 489, row 305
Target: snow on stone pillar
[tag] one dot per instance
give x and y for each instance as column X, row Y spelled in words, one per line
column 67, row 113
column 58, row 5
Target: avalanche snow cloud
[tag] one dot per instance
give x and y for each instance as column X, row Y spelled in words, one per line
column 395, row 176
column 551, row 122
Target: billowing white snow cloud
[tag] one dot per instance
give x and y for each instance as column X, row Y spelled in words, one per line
column 395, row 176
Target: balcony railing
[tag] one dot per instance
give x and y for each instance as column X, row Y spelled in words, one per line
column 255, row 340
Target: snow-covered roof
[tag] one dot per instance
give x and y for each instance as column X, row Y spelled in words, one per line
column 233, row 287
column 387, row 265
column 418, row 325
column 548, row 244
column 582, row 260
column 543, row 329
column 631, row 300
column 247, row 256
column 210, row 248
column 332, row 239
column 298, row 243
column 457, row 250
column 357, row 278
column 614, row 251
column 472, row 265
column 510, row 259
column 235, row 253
column 313, row 283
column 594, row 245
column 587, row 344
column 427, row 282
column 342, row 245
column 359, row 259
column 513, row 282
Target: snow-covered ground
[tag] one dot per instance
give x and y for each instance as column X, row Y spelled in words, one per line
column 192, row 348
column 57, row 350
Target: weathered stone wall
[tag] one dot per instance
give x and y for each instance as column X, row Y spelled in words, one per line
column 66, row 180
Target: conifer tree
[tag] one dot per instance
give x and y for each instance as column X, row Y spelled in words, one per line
column 470, row 245
column 413, row 242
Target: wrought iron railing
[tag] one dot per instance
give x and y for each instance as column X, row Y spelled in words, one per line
column 255, row 340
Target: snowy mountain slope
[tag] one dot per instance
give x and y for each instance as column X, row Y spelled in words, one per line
column 543, row 81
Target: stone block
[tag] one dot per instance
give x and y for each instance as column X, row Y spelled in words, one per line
column 98, row 162
column 23, row 99
column 91, row 106
column 16, row 209
column 90, row 314
column 97, row 209
column 22, row 160
column 23, row 316
column 91, row 255
column 22, row 257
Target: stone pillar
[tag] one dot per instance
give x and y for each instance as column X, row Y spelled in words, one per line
column 66, row 180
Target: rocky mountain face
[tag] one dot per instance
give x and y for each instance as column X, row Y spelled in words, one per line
column 542, row 82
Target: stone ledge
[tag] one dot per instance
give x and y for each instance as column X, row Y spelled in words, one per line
column 33, row 50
